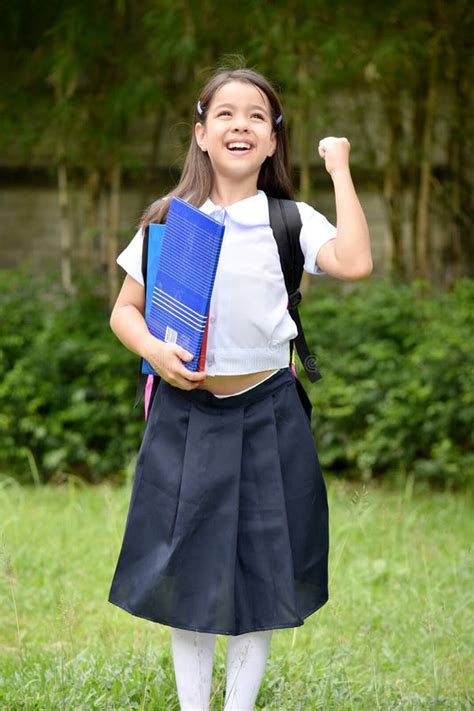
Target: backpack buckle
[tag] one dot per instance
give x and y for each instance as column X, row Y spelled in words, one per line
column 294, row 299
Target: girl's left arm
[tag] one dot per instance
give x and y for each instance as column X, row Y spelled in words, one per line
column 349, row 255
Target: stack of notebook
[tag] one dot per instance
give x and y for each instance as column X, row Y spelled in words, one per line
column 182, row 262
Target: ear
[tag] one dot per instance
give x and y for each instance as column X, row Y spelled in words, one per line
column 273, row 144
column 200, row 134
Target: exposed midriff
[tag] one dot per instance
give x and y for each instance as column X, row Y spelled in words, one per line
column 230, row 384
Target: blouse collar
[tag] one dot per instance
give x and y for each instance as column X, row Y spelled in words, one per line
column 251, row 211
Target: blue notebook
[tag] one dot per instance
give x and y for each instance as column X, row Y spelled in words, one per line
column 155, row 242
column 182, row 262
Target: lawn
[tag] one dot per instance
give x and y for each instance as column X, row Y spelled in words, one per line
column 396, row 633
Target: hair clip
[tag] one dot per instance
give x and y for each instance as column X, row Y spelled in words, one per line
column 199, row 108
column 279, row 119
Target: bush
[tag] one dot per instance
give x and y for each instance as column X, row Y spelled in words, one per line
column 397, row 391
column 396, row 397
column 67, row 385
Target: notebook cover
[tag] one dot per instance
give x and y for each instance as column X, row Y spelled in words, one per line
column 179, row 295
column 155, row 242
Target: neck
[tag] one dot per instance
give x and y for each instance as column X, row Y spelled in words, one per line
column 226, row 192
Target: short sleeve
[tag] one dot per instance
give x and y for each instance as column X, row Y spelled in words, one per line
column 316, row 230
column 131, row 257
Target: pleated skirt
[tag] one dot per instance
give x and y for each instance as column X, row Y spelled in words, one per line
column 227, row 526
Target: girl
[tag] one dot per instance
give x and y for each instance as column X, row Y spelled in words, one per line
column 227, row 529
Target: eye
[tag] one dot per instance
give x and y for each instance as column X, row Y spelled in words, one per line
column 258, row 115
column 224, row 112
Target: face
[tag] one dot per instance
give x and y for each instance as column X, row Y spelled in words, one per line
column 238, row 132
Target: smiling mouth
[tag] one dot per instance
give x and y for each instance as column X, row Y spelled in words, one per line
column 239, row 147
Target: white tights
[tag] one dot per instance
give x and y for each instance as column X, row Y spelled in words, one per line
column 193, row 654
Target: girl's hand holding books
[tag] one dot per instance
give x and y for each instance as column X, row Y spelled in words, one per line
column 167, row 359
column 335, row 152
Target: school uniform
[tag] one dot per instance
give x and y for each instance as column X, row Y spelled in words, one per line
column 227, row 527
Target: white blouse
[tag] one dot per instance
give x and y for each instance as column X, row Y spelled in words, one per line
column 249, row 324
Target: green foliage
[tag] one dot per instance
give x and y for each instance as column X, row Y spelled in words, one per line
column 66, row 387
column 396, row 398
column 397, row 394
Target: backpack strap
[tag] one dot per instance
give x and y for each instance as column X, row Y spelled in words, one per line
column 285, row 221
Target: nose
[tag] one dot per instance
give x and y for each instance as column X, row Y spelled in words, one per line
column 240, row 123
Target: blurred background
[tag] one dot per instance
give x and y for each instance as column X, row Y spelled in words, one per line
column 96, row 103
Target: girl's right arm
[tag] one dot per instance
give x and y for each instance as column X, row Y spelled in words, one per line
column 128, row 324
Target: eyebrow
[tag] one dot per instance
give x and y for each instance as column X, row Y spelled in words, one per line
column 232, row 106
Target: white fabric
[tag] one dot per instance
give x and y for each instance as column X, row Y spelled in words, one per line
column 247, row 656
column 250, row 327
column 193, row 655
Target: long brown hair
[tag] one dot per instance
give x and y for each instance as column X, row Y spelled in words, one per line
column 196, row 180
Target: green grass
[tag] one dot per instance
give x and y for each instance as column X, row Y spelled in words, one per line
column 396, row 633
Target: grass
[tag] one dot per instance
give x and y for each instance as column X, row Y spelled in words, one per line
column 396, row 633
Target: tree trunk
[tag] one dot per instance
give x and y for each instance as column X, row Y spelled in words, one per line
column 461, row 152
column 395, row 253
column 64, row 224
column 451, row 253
column 423, row 234
column 112, row 232
column 414, row 171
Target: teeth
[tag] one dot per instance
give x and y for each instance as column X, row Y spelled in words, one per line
column 238, row 145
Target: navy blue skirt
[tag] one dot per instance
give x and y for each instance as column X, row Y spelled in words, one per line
column 227, row 527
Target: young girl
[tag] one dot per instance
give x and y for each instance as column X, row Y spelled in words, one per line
column 227, row 529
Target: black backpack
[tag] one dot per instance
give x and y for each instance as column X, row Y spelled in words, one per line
column 285, row 222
